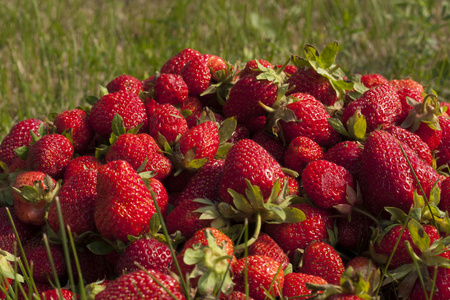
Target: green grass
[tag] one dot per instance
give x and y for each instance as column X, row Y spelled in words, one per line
column 55, row 52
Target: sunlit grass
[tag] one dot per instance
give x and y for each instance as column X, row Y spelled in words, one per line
column 55, row 52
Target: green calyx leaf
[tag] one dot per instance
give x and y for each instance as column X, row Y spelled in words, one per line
column 226, row 129
column 357, row 127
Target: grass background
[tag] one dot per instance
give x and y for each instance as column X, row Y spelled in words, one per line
column 55, row 52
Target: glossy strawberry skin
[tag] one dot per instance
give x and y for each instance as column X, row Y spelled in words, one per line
column 54, row 294
column 170, row 88
column 18, row 136
column 81, row 163
column 126, row 83
column 385, row 177
column 128, row 105
column 443, row 149
column 124, row 205
column 406, row 82
column 295, row 284
column 275, row 147
column 7, row 234
column 76, row 120
column 347, row 154
column 241, row 164
column 262, row 273
column 50, row 155
column 177, row 62
column 326, row 183
column 314, row 122
column 204, row 138
column 403, row 93
column 251, row 67
column 372, row 80
column 196, row 75
column 265, row 245
column 165, row 119
column 300, row 152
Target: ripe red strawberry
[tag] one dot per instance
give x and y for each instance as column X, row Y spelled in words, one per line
column 77, row 121
column 300, row 152
column 135, row 149
column 443, row 149
column 124, row 205
column 314, row 121
column 170, row 88
column 77, row 199
column 385, row 177
column 245, row 95
column 235, row 295
column 263, row 274
column 202, row 139
column 177, row 62
column 93, row 267
column 142, row 284
column 241, row 132
column 18, row 136
column 406, row 82
column 192, row 108
column 30, row 207
column 251, row 67
column 240, row 164
column 80, row 164
column 272, row 145
column 126, row 83
column 295, row 285
column 444, row 203
column 196, row 74
column 326, row 183
column 441, row 287
column 354, row 232
column 128, row 105
column 148, row 253
column 380, row 106
column 7, row 235
column 292, row 236
column 54, row 294
column 347, row 154
column 265, row 245
column 403, row 93
column 372, row 80
column 50, row 155
column 289, row 70
column 165, row 119
column 321, row 259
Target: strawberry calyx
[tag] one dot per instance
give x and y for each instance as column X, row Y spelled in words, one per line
column 41, row 190
column 22, row 152
column 223, row 82
column 427, row 112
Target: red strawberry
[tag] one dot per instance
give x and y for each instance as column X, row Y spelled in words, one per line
column 289, row 70
column 240, row 164
column 443, row 149
column 165, row 119
column 149, row 253
column 142, row 284
column 441, row 287
column 380, row 106
column 124, row 205
column 93, row 267
column 177, row 62
column 170, row 88
column 292, row 236
column 55, row 294
column 50, row 155
column 314, row 121
column 385, row 177
column 354, row 232
column 407, row 82
column 403, row 93
column 8, row 237
column 126, row 83
column 135, row 149
column 81, row 163
column 252, row 68
column 235, row 295
column 18, row 136
column 217, row 66
column 128, row 105
column 444, row 203
column 372, row 80
column 77, row 199
column 300, row 152
column 197, row 75
column 272, row 145
column 326, row 183
column 202, row 139
column 263, row 274
column 192, row 108
column 347, row 154
column 321, row 259
column 76, row 121
column 295, row 285
column 265, row 245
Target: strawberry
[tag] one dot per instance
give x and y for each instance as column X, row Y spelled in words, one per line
column 443, row 149
column 403, row 94
column 372, row 80
column 192, row 109
column 385, row 177
column 128, row 105
column 166, row 120
column 55, row 294
column 77, row 199
column 170, row 88
column 406, row 82
column 197, row 75
column 33, row 192
column 321, row 259
column 124, row 204
column 177, row 62
column 8, row 237
column 380, row 106
column 93, row 267
column 314, row 121
column 354, row 232
column 295, row 285
column 80, row 164
column 265, row 245
column 235, row 295
column 126, row 83
column 18, row 136
column 201, row 140
column 217, row 67
column 137, row 149
column 75, row 121
column 264, row 274
column 252, row 68
column 326, row 183
column 240, row 164
column 272, row 145
column 289, row 70
column 347, row 154
column 292, row 236
column 300, row 152
column 441, row 287
column 149, row 253
column 50, row 155
column 444, row 203
column 142, row 284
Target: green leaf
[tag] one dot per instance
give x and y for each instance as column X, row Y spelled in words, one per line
column 223, row 151
column 328, row 55
column 29, row 193
column 396, row 214
column 418, row 235
column 338, row 126
column 193, row 255
column 118, row 127
column 294, row 215
column 280, row 214
column 240, row 202
column 22, row 152
column 357, row 126
column 100, row 247
column 91, row 99
column 226, row 129
column 154, row 224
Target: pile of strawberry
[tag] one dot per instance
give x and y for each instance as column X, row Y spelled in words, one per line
column 252, row 180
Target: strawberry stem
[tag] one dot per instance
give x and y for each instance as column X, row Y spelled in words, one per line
column 241, row 247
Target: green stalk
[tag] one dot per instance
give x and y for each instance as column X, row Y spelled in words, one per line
column 82, row 291
column 247, row 243
column 52, row 265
